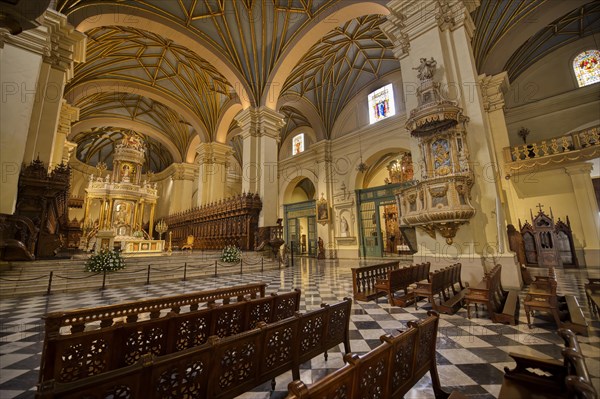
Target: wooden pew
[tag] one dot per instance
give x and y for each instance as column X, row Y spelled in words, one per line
column 390, row 370
column 502, row 306
column 549, row 378
column 565, row 309
column 364, row 279
column 402, row 279
column 221, row 368
column 440, row 284
column 79, row 355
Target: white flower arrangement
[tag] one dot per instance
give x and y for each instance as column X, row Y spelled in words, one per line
column 105, row 260
column 231, row 254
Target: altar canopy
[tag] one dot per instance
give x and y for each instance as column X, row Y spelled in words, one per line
column 119, row 204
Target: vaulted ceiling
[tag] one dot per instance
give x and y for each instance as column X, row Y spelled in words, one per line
column 178, row 71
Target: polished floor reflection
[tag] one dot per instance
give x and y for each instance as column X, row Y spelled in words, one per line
column 471, row 354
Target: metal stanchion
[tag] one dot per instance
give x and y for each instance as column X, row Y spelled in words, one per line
column 215, row 268
column 49, row 283
column 148, row 278
column 103, row 281
column 184, row 271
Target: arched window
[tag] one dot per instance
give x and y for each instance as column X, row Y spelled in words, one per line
column 587, row 67
column 298, row 144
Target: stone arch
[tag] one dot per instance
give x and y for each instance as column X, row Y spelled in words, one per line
column 373, row 154
column 135, row 125
column 306, row 108
column 190, row 153
column 81, row 91
column 231, row 109
column 331, row 18
column 102, row 14
column 285, row 193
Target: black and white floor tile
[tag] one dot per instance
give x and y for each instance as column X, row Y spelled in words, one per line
column 471, row 354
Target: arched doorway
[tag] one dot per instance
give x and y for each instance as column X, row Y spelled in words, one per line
column 300, row 224
column 378, row 223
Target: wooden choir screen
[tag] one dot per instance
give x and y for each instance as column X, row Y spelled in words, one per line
column 232, row 221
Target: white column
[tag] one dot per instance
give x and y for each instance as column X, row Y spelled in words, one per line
column 68, row 115
column 585, row 200
column 443, row 30
column 21, row 59
column 180, row 198
column 213, row 159
column 322, row 152
column 260, row 135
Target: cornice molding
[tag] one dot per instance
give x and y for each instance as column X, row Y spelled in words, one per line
column 493, row 89
column 259, row 122
column 183, row 171
column 570, row 99
column 213, row 153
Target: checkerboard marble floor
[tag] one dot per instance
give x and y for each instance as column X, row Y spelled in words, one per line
column 471, row 354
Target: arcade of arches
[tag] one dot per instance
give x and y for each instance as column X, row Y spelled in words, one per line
column 330, row 105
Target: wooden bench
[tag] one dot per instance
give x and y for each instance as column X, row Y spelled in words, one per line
column 74, row 356
column 221, row 368
column 502, row 306
column 592, row 293
column 549, row 378
column 565, row 310
column 390, row 370
column 364, row 279
column 443, row 284
column 402, row 279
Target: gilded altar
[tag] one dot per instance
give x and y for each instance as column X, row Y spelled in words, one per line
column 119, row 204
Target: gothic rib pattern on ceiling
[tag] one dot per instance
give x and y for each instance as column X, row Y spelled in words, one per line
column 98, row 144
column 132, row 107
column 341, row 64
column 294, row 119
column 251, row 35
column 579, row 23
column 132, row 55
column 494, row 19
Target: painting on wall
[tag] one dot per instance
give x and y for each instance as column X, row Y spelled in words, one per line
column 440, row 152
column 322, row 210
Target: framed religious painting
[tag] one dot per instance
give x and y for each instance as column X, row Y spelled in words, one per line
column 322, row 210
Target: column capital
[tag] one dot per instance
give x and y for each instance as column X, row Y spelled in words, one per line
column 183, row 171
column 69, row 148
column 409, row 19
column 493, row 89
column 213, row 153
column 583, row 168
column 68, row 115
column 258, row 122
column 65, row 44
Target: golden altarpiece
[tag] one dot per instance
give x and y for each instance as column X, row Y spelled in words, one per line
column 115, row 204
column 440, row 201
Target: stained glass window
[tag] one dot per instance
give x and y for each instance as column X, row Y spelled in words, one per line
column 298, row 144
column 381, row 104
column 587, row 67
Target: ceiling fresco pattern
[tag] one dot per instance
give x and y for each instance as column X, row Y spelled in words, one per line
column 235, row 48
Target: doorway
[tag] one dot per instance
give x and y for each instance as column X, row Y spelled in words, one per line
column 300, row 225
column 379, row 233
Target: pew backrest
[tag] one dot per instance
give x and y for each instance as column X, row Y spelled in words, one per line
column 71, row 357
column 220, row 368
column 390, row 370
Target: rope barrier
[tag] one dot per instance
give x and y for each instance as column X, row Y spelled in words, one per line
column 167, row 270
column 76, row 278
column 23, row 279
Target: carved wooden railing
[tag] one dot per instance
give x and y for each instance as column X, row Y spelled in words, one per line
column 223, row 368
column 577, row 146
column 232, row 221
